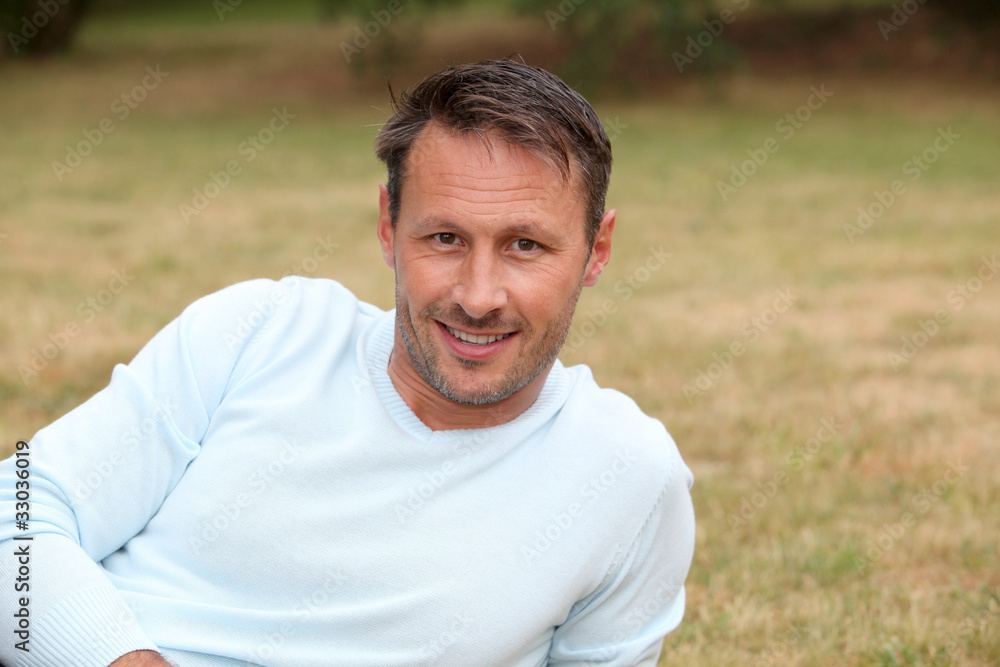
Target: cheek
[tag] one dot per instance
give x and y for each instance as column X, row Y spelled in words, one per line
column 543, row 297
column 423, row 281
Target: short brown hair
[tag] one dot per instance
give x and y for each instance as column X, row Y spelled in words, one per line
column 525, row 106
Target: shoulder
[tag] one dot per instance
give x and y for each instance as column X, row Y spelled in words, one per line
column 266, row 295
column 252, row 320
column 243, row 309
column 609, row 415
column 610, row 424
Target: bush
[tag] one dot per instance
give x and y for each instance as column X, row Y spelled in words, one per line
column 609, row 44
column 35, row 28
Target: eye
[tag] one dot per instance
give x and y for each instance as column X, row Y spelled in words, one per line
column 446, row 238
column 525, row 245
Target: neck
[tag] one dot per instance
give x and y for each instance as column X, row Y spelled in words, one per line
column 441, row 414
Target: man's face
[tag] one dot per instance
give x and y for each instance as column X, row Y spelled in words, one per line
column 490, row 254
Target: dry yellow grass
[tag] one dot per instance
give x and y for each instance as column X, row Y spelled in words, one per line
column 781, row 583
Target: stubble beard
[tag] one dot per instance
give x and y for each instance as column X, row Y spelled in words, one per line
column 530, row 363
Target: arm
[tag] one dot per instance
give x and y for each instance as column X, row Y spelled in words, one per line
column 624, row 623
column 97, row 475
column 141, row 659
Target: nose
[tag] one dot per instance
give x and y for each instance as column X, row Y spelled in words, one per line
column 479, row 288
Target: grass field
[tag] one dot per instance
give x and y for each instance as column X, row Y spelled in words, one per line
column 834, row 386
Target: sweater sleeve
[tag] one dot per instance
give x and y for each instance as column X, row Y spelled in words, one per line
column 625, row 621
column 92, row 479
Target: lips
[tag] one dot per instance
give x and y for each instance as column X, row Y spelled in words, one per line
column 475, row 339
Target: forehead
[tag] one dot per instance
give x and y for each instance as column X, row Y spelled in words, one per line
column 483, row 170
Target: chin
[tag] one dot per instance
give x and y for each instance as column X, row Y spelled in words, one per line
column 472, row 395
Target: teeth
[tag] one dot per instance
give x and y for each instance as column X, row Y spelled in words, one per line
column 474, row 339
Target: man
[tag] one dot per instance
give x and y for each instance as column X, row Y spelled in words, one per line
column 286, row 476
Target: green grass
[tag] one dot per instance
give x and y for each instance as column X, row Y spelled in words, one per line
column 782, row 588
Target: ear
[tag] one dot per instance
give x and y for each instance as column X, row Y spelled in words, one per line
column 385, row 230
column 601, row 252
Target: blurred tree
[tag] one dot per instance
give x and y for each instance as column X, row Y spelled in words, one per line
column 37, row 28
column 977, row 12
column 607, row 43
column 384, row 34
column 335, row 9
column 621, row 43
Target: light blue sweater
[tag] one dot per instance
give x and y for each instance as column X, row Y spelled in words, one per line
column 252, row 489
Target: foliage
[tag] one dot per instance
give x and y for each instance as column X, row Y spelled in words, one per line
column 35, row 28
column 621, row 41
column 386, row 30
column 975, row 12
column 337, row 9
column 605, row 43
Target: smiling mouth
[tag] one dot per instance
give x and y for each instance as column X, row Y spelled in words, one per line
column 475, row 339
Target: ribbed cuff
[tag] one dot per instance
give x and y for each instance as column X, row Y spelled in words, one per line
column 92, row 627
